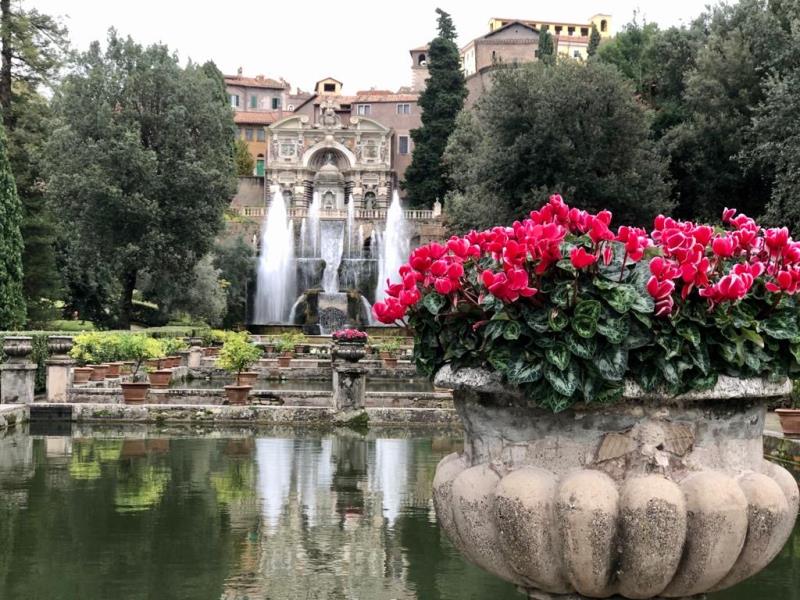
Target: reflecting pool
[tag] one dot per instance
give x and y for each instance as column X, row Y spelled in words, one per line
column 279, row 514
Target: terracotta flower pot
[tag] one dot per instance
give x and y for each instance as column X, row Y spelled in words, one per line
column 247, row 378
column 160, row 379
column 81, row 374
column 284, row 360
column 174, row 361
column 153, row 363
column 651, row 496
column 113, row 370
column 237, row 394
column 790, row 420
column 135, row 393
column 127, row 367
column 390, row 362
column 384, row 355
column 98, row 372
column 269, row 348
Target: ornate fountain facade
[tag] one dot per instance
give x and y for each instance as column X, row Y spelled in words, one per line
column 333, row 227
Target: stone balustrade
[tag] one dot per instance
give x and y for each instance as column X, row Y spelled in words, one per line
column 362, row 214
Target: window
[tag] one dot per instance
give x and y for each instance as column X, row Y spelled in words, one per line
column 276, row 103
column 576, row 53
column 558, row 29
column 287, row 198
column 363, row 109
column 570, row 31
column 421, row 60
column 603, row 26
column 261, row 135
column 584, row 31
column 402, row 144
column 329, row 87
column 253, row 101
column 248, row 134
column 234, row 100
column 403, row 109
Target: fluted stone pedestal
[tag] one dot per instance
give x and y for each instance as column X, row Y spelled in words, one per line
column 650, row 497
column 59, row 368
column 349, row 381
column 18, row 374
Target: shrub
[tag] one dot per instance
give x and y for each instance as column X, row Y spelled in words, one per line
column 567, row 310
column 238, row 354
column 138, row 348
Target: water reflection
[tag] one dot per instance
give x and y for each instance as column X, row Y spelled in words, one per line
column 284, row 515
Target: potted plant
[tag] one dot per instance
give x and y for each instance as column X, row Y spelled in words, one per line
column 157, row 373
column 269, row 344
column 110, row 352
column 238, row 354
column 388, row 348
column 87, row 350
column 603, row 378
column 285, row 344
column 172, row 346
column 349, row 344
column 81, row 353
column 790, row 413
column 300, row 343
column 137, row 348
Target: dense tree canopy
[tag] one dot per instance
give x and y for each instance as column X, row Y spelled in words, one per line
column 141, row 167
column 12, row 302
column 443, row 98
column 571, row 128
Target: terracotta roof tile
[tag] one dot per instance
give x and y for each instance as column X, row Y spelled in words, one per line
column 251, row 117
column 385, row 97
column 259, row 82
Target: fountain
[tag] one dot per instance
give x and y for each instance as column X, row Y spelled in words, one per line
column 275, row 286
column 329, row 281
column 393, row 247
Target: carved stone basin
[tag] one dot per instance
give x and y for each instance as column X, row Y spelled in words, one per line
column 666, row 497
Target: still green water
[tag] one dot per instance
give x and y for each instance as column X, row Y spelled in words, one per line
column 97, row 514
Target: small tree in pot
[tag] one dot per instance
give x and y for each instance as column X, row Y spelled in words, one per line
column 82, row 352
column 388, row 348
column 137, row 348
column 285, row 344
column 789, row 414
column 238, row 354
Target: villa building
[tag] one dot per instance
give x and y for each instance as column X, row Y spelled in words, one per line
column 517, row 41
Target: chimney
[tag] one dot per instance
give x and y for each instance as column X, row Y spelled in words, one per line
column 239, row 72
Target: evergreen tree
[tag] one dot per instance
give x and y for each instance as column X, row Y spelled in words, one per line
column 594, row 42
column 244, row 160
column 547, row 48
column 569, row 128
column 141, row 166
column 443, row 98
column 12, row 302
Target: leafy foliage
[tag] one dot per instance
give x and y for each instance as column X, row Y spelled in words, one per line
column 567, row 310
column 243, row 159
column 12, row 301
column 141, row 166
column 442, row 99
column 541, row 129
column 238, row 353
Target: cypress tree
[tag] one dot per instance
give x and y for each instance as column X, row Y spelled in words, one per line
column 12, row 300
column 443, row 98
column 594, row 42
column 547, row 49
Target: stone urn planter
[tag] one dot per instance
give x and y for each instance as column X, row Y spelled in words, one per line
column 790, row 421
column 98, row 372
column 81, row 375
column 649, row 497
column 237, row 394
column 348, row 351
column 160, row 379
column 135, row 393
column 284, row 360
column 247, row 378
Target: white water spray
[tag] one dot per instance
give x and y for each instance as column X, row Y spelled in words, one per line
column 393, row 247
column 276, row 279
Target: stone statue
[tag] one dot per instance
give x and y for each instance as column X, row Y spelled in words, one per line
column 329, row 118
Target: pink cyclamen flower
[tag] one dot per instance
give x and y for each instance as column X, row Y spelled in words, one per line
column 581, row 259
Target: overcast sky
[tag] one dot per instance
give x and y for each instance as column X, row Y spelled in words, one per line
column 363, row 43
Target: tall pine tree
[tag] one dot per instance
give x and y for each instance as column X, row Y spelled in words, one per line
column 441, row 101
column 12, row 301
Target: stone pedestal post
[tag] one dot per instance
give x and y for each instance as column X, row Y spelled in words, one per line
column 184, row 354
column 349, row 381
column 18, row 375
column 59, row 367
column 195, row 356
